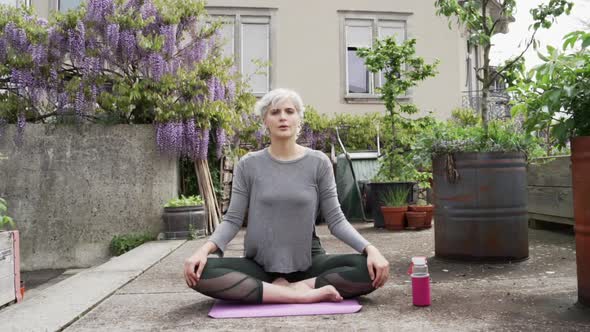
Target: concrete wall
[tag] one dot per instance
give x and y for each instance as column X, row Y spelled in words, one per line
column 71, row 189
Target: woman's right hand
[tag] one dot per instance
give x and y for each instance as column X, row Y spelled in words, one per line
column 196, row 262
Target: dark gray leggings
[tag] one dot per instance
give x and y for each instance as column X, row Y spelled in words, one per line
column 240, row 279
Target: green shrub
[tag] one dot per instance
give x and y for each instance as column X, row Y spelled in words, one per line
column 465, row 116
column 4, row 219
column 395, row 198
column 121, row 244
column 185, row 201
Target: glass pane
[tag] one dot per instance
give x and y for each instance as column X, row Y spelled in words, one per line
column 358, row 76
column 388, row 29
column 358, row 36
column 9, row 2
column 64, row 5
column 255, row 47
column 227, row 34
column 398, row 32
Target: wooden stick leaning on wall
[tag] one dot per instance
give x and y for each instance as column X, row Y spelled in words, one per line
column 208, row 194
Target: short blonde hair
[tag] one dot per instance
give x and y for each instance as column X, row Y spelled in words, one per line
column 276, row 96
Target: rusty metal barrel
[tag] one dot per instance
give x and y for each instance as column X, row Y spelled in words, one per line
column 581, row 189
column 481, row 207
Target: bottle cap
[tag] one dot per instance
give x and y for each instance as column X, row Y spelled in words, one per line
column 419, row 260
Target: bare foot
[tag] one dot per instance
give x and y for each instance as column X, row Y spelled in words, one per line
column 322, row 294
column 281, row 282
column 300, row 286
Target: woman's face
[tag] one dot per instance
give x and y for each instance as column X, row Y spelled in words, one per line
column 282, row 120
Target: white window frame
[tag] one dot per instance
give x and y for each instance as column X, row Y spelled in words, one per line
column 375, row 18
column 58, row 3
column 239, row 15
column 18, row 3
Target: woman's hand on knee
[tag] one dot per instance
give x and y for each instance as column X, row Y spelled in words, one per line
column 377, row 265
column 193, row 268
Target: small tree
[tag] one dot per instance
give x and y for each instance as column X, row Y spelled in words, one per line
column 555, row 95
column 402, row 70
column 476, row 16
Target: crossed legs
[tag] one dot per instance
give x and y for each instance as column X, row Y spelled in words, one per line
column 330, row 278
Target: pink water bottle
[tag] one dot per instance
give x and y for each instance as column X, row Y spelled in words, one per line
column 420, row 282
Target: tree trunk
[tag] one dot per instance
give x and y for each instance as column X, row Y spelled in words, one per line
column 208, row 194
column 392, row 143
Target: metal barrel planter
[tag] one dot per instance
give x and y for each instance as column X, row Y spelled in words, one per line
column 581, row 189
column 480, row 204
column 185, row 222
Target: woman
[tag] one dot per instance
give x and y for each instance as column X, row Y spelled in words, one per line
column 284, row 187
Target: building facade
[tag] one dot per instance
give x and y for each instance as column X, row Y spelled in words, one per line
column 310, row 46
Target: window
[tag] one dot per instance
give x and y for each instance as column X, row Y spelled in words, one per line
column 247, row 35
column 15, row 2
column 65, row 5
column 360, row 30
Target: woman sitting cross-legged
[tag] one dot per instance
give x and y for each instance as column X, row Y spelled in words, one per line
column 284, row 187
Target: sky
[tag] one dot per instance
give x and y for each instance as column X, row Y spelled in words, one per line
column 513, row 43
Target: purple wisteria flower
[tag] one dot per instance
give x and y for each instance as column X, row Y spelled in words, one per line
column 212, row 88
column 191, row 139
column 204, row 148
column 62, row 102
column 79, row 102
column 98, row 10
column 77, row 41
column 231, row 91
column 169, row 33
column 127, row 44
column 20, row 129
column 156, row 65
column 221, row 139
column 113, row 36
column 3, row 49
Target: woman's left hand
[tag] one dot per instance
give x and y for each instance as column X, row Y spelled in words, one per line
column 378, row 266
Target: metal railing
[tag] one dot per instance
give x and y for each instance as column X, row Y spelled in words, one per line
column 498, row 103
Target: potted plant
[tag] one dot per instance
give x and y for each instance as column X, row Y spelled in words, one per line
column 185, row 218
column 423, row 207
column 394, row 205
column 402, row 70
column 10, row 290
column 556, row 96
column 480, row 182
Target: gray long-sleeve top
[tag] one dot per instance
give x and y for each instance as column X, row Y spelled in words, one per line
column 282, row 199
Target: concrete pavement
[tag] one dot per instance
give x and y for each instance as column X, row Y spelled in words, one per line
column 538, row 294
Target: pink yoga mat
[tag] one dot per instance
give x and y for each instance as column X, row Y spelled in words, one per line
column 224, row 309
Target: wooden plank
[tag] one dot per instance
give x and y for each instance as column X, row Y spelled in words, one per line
column 552, row 172
column 553, row 219
column 552, row 201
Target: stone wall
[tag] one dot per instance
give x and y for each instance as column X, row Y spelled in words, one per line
column 70, row 189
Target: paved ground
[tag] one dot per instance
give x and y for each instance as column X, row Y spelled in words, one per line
column 538, row 294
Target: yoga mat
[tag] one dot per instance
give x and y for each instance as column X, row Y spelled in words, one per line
column 225, row 309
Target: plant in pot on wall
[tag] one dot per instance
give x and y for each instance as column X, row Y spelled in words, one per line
column 402, row 70
column 394, row 204
column 185, row 218
column 480, row 182
column 556, row 95
column 10, row 289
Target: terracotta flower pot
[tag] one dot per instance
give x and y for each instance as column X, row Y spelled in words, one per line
column 429, row 209
column 416, row 220
column 394, row 217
